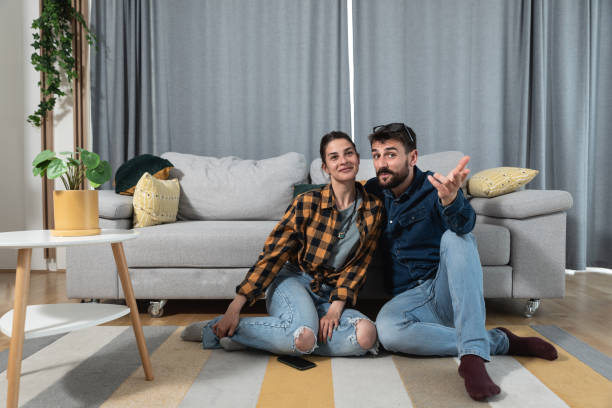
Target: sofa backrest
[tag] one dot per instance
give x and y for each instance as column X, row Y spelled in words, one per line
column 229, row 188
column 441, row 162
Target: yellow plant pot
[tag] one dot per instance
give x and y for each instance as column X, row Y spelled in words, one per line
column 75, row 213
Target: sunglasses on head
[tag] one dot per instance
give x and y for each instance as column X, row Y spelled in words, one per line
column 396, row 127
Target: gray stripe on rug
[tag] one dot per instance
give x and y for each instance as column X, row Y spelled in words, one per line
column 94, row 380
column 595, row 359
column 228, row 380
column 30, row 347
column 368, row 382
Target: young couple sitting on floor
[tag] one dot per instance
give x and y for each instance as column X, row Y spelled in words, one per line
column 314, row 263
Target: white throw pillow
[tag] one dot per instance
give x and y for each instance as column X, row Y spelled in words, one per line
column 229, row 188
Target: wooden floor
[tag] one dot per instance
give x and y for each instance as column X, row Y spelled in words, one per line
column 585, row 312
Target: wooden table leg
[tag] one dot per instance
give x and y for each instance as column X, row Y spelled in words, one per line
column 22, row 286
column 126, row 283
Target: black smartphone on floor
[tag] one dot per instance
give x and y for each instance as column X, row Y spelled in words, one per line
column 297, row 362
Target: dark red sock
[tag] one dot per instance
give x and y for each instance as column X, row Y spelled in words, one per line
column 477, row 381
column 529, row 346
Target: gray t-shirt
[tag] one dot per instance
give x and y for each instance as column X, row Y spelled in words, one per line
column 345, row 246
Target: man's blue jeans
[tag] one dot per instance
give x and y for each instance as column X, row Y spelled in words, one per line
column 293, row 307
column 443, row 316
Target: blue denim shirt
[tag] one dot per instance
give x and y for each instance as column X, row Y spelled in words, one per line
column 416, row 220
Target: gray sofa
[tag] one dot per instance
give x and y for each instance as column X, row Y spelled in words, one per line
column 229, row 206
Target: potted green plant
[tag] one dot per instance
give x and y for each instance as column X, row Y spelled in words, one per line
column 75, row 211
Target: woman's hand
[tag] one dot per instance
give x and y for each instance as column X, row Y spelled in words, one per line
column 227, row 325
column 330, row 321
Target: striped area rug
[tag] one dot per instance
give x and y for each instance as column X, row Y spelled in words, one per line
column 100, row 367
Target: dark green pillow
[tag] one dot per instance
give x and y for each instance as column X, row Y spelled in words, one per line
column 302, row 188
column 129, row 173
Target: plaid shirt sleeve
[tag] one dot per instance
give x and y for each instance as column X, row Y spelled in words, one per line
column 352, row 276
column 280, row 245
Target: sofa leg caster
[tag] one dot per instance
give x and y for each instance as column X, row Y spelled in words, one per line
column 156, row 308
column 531, row 306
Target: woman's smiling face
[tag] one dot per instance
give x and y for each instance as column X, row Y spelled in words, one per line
column 341, row 160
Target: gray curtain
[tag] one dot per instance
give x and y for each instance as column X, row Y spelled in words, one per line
column 246, row 78
column 514, row 83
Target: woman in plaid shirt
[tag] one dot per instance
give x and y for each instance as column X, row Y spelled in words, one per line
column 312, row 264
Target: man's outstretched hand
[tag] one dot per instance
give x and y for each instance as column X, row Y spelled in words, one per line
column 448, row 186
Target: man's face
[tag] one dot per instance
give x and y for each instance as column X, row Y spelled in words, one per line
column 341, row 160
column 391, row 162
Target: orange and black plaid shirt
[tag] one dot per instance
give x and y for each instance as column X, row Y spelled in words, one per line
column 305, row 236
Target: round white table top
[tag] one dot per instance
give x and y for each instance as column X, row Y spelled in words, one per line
column 44, row 239
column 48, row 320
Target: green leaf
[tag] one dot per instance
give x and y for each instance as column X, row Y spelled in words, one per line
column 42, row 156
column 53, row 36
column 100, row 174
column 90, row 160
column 43, row 165
column 73, row 162
column 40, row 170
column 67, row 153
column 56, row 168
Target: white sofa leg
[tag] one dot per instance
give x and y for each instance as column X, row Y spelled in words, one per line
column 156, row 308
column 531, row 306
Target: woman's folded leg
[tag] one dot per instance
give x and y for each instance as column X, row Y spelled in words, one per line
column 291, row 327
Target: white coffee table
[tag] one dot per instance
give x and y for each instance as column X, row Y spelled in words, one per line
column 44, row 320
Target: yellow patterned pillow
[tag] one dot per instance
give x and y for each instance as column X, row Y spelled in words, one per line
column 155, row 201
column 499, row 180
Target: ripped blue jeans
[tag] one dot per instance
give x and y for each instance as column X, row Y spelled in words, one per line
column 293, row 307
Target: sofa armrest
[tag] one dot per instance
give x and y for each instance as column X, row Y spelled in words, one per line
column 114, row 206
column 523, row 204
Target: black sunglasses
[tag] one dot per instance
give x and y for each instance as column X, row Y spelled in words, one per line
column 396, row 127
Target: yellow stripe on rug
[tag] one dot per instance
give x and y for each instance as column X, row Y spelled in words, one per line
column 176, row 364
column 572, row 380
column 284, row 386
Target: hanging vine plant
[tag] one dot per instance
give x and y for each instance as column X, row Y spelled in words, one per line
column 54, row 37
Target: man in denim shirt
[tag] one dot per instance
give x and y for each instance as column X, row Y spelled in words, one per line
column 433, row 268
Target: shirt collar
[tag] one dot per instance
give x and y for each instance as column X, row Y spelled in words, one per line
column 328, row 200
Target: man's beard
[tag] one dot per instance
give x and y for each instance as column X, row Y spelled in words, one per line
column 395, row 180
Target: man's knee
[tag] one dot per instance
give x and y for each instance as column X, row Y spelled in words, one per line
column 387, row 330
column 452, row 238
column 305, row 340
column 366, row 334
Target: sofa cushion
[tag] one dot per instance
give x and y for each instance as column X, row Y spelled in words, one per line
column 229, row 188
column 200, row 244
column 523, row 204
column 493, row 244
column 113, row 206
column 441, row 162
column 131, row 171
column 155, row 201
column 237, row 244
column 499, row 180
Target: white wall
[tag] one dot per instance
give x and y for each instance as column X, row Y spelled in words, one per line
column 12, row 214
column 21, row 202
